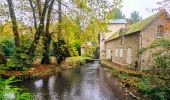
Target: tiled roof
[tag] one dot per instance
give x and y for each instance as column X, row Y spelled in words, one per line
column 135, row 27
column 118, row 21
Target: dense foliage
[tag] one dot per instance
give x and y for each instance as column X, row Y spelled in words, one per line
column 134, row 17
column 80, row 21
column 160, row 56
column 157, row 84
column 9, row 92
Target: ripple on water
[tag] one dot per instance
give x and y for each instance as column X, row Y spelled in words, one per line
column 88, row 82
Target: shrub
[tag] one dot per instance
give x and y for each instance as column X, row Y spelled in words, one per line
column 162, row 61
column 62, row 50
column 3, row 59
column 6, row 90
column 20, row 60
column 7, row 47
column 72, row 52
column 154, row 87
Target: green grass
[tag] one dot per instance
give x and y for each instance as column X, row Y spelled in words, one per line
column 74, row 61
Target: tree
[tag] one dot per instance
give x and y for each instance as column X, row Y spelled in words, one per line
column 163, row 6
column 117, row 14
column 40, row 28
column 47, row 37
column 134, row 17
column 80, row 20
column 14, row 23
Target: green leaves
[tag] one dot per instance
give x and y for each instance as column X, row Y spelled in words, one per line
column 8, row 92
column 161, row 54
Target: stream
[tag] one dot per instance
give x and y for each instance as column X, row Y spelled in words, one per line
column 87, row 82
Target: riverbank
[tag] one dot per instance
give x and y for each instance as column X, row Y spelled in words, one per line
column 39, row 70
column 141, row 84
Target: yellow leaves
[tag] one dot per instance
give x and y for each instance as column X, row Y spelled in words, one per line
column 81, row 3
column 6, row 31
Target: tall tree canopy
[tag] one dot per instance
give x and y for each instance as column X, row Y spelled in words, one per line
column 73, row 21
column 134, row 17
column 116, row 13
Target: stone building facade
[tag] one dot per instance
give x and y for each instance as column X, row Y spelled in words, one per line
column 114, row 26
column 124, row 45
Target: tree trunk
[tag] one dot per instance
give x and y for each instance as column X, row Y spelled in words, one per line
column 59, row 20
column 47, row 37
column 57, row 45
column 39, row 8
column 34, row 14
column 14, row 23
column 39, row 31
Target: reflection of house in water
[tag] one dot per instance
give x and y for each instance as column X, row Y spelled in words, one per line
column 114, row 26
column 122, row 47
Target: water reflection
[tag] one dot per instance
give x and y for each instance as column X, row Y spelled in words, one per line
column 89, row 82
column 39, row 83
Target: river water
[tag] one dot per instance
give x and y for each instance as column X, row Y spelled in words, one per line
column 87, row 82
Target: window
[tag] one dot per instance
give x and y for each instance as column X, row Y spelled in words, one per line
column 160, row 31
column 129, row 56
column 116, row 52
column 121, row 52
column 109, row 54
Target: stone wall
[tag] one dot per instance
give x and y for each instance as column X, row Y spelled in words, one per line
column 130, row 41
column 149, row 35
column 104, row 36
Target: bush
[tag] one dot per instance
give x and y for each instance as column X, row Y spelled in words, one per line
column 89, row 51
column 62, row 50
column 20, row 60
column 72, row 52
column 154, row 87
column 7, row 47
column 162, row 61
column 3, row 59
column 6, row 90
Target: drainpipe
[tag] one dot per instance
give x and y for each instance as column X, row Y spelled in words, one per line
column 105, row 43
column 140, row 46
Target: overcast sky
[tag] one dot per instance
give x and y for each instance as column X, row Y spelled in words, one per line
column 139, row 5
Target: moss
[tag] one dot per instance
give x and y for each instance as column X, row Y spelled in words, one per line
column 135, row 27
column 115, row 35
column 141, row 24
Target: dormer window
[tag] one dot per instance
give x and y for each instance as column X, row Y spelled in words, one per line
column 160, row 31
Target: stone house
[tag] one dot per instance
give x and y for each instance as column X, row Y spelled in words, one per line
column 124, row 45
column 86, row 48
column 114, row 25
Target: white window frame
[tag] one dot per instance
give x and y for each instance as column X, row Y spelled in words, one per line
column 121, row 52
column 129, row 55
column 108, row 53
column 159, row 33
column 116, row 52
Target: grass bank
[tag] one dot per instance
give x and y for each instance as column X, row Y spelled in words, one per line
column 148, row 85
column 39, row 70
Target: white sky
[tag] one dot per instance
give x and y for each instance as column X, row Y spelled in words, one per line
column 139, row 5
